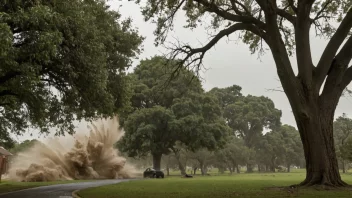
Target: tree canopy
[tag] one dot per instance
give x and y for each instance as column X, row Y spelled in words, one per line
column 166, row 112
column 62, row 61
column 342, row 136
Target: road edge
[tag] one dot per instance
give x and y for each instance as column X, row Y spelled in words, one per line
column 75, row 195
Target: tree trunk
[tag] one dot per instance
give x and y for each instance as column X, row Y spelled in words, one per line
column 180, row 165
column 182, row 168
column 157, row 161
column 272, row 168
column 194, row 170
column 316, row 130
column 238, row 169
column 249, row 168
column 231, row 170
column 202, row 169
column 288, row 168
column 234, row 168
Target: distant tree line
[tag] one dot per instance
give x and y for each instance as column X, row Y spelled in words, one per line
column 179, row 124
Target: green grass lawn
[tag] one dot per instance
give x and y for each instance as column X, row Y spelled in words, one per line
column 9, row 186
column 238, row 185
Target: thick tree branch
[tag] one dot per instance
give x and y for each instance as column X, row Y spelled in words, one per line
column 190, row 52
column 303, row 51
column 332, row 48
column 279, row 52
column 287, row 16
column 347, row 78
column 212, row 7
column 345, row 54
column 338, row 76
column 7, row 93
column 8, row 76
column 5, row 104
column 234, row 2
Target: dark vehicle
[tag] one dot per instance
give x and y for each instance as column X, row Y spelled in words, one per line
column 149, row 172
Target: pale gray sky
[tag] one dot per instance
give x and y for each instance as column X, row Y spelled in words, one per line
column 229, row 63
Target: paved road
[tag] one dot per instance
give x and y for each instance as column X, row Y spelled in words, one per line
column 58, row 191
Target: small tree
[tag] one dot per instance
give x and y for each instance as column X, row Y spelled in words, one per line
column 284, row 26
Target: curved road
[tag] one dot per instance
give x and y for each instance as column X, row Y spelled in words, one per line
column 59, row 190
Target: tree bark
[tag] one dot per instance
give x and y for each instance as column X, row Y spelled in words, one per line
column 202, row 169
column 182, row 168
column 316, row 130
column 157, row 161
column 238, row 169
column 180, row 165
column 288, row 168
column 194, row 170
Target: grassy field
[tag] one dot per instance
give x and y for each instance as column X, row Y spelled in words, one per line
column 239, row 185
column 8, row 186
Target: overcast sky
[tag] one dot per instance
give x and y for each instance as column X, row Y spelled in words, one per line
column 230, row 62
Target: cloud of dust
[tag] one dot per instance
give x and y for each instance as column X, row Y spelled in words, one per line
column 88, row 154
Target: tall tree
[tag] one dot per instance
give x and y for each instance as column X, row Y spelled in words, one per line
column 249, row 116
column 165, row 114
column 149, row 130
column 62, row 61
column 281, row 146
column 272, row 150
column 293, row 148
column 204, row 158
column 342, row 132
column 227, row 95
column 234, row 154
column 284, row 26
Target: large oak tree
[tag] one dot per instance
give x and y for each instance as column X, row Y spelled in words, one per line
column 284, row 25
column 62, row 61
column 163, row 115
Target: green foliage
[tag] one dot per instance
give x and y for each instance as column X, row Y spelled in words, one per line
column 61, row 61
column 169, row 111
column 199, row 120
column 342, row 136
column 6, row 141
column 250, row 115
column 23, row 146
column 149, row 130
column 234, row 154
column 153, row 85
column 346, row 150
column 281, row 146
column 227, row 95
column 223, row 14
